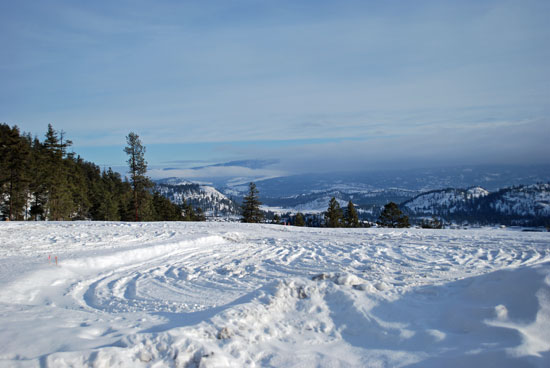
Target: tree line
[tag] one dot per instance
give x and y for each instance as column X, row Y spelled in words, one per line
column 334, row 216
column 42, row 180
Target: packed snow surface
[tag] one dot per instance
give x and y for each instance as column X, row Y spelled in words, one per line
column 238, row 295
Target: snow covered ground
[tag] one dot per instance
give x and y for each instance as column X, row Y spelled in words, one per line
column 234, row 295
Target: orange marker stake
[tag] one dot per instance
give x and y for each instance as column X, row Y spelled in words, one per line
column 56, row 260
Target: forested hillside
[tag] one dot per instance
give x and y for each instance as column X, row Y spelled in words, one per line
column 517, row 205
column 42, row 180
column 207, row 198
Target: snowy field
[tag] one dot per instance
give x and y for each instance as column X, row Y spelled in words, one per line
column 238, row 295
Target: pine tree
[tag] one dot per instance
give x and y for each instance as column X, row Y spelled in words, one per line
column 79, row 187
column 137, row 169
column 37, row 186
column 59, row 204
column 164, row 209
column 333, row 215
column 15, row 172
column 392, row 216
column 351, row 218
column 199, row 215
column 299, row 220
column 251, row 206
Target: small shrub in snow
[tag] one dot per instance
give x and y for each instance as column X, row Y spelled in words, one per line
column 224, row 334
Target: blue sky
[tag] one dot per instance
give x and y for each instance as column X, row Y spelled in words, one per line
column 318, row 85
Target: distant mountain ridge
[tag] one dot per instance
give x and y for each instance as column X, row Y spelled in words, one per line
column 210, row 200
column 512, row 196
column 491, row 178
column 444, row 201
column 523, row 204
column 317, row 201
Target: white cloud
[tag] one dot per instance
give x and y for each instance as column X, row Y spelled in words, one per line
column 216, row 172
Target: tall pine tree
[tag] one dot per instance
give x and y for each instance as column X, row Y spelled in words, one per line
column 351, row 218
column 333, row 215
column 137, row 169
column 59, row 205
column 251, row 206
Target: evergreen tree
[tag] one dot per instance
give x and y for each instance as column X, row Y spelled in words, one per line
column 199, row 215
column 15, row 172
column 333, row 215
column 79, row 187
column 299, row 220
column 392, row 216
column 164, row 209
column 188, row 211
column 137, row 169
column 251, row 206
column 351, row 218
column 43, row 181
column 59, row 204
column 276, row 219
column 37, row 186
column 114, row 193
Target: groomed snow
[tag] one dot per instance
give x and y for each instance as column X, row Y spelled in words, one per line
column 237, row 295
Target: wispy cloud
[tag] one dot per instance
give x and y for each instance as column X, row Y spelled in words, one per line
column 398, row 76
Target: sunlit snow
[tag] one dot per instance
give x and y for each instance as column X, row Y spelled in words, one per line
column 234, row 295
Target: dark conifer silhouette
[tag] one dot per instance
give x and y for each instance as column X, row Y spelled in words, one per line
column 333, row 215
column 392, row 216
column 299, row 220
column 137, row 169
column 251, row 212
column 351, row 218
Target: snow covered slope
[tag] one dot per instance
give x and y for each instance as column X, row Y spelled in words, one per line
column 317, row 201
column 244, row 295
column 519, row 204
column 212, row 202
column 531, row 200
column 444, row 201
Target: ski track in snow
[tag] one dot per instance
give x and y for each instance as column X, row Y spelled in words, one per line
column 221, row 294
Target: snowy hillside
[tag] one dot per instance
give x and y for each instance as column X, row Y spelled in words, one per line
column 315, row 206
column 211, row 201
column 244, row 295
column 444, row 201
column 317, row 201
column 532, row 200
column 517, row 205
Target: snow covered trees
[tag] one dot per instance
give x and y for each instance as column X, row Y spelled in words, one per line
column 392, row 216
column 251, row 206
